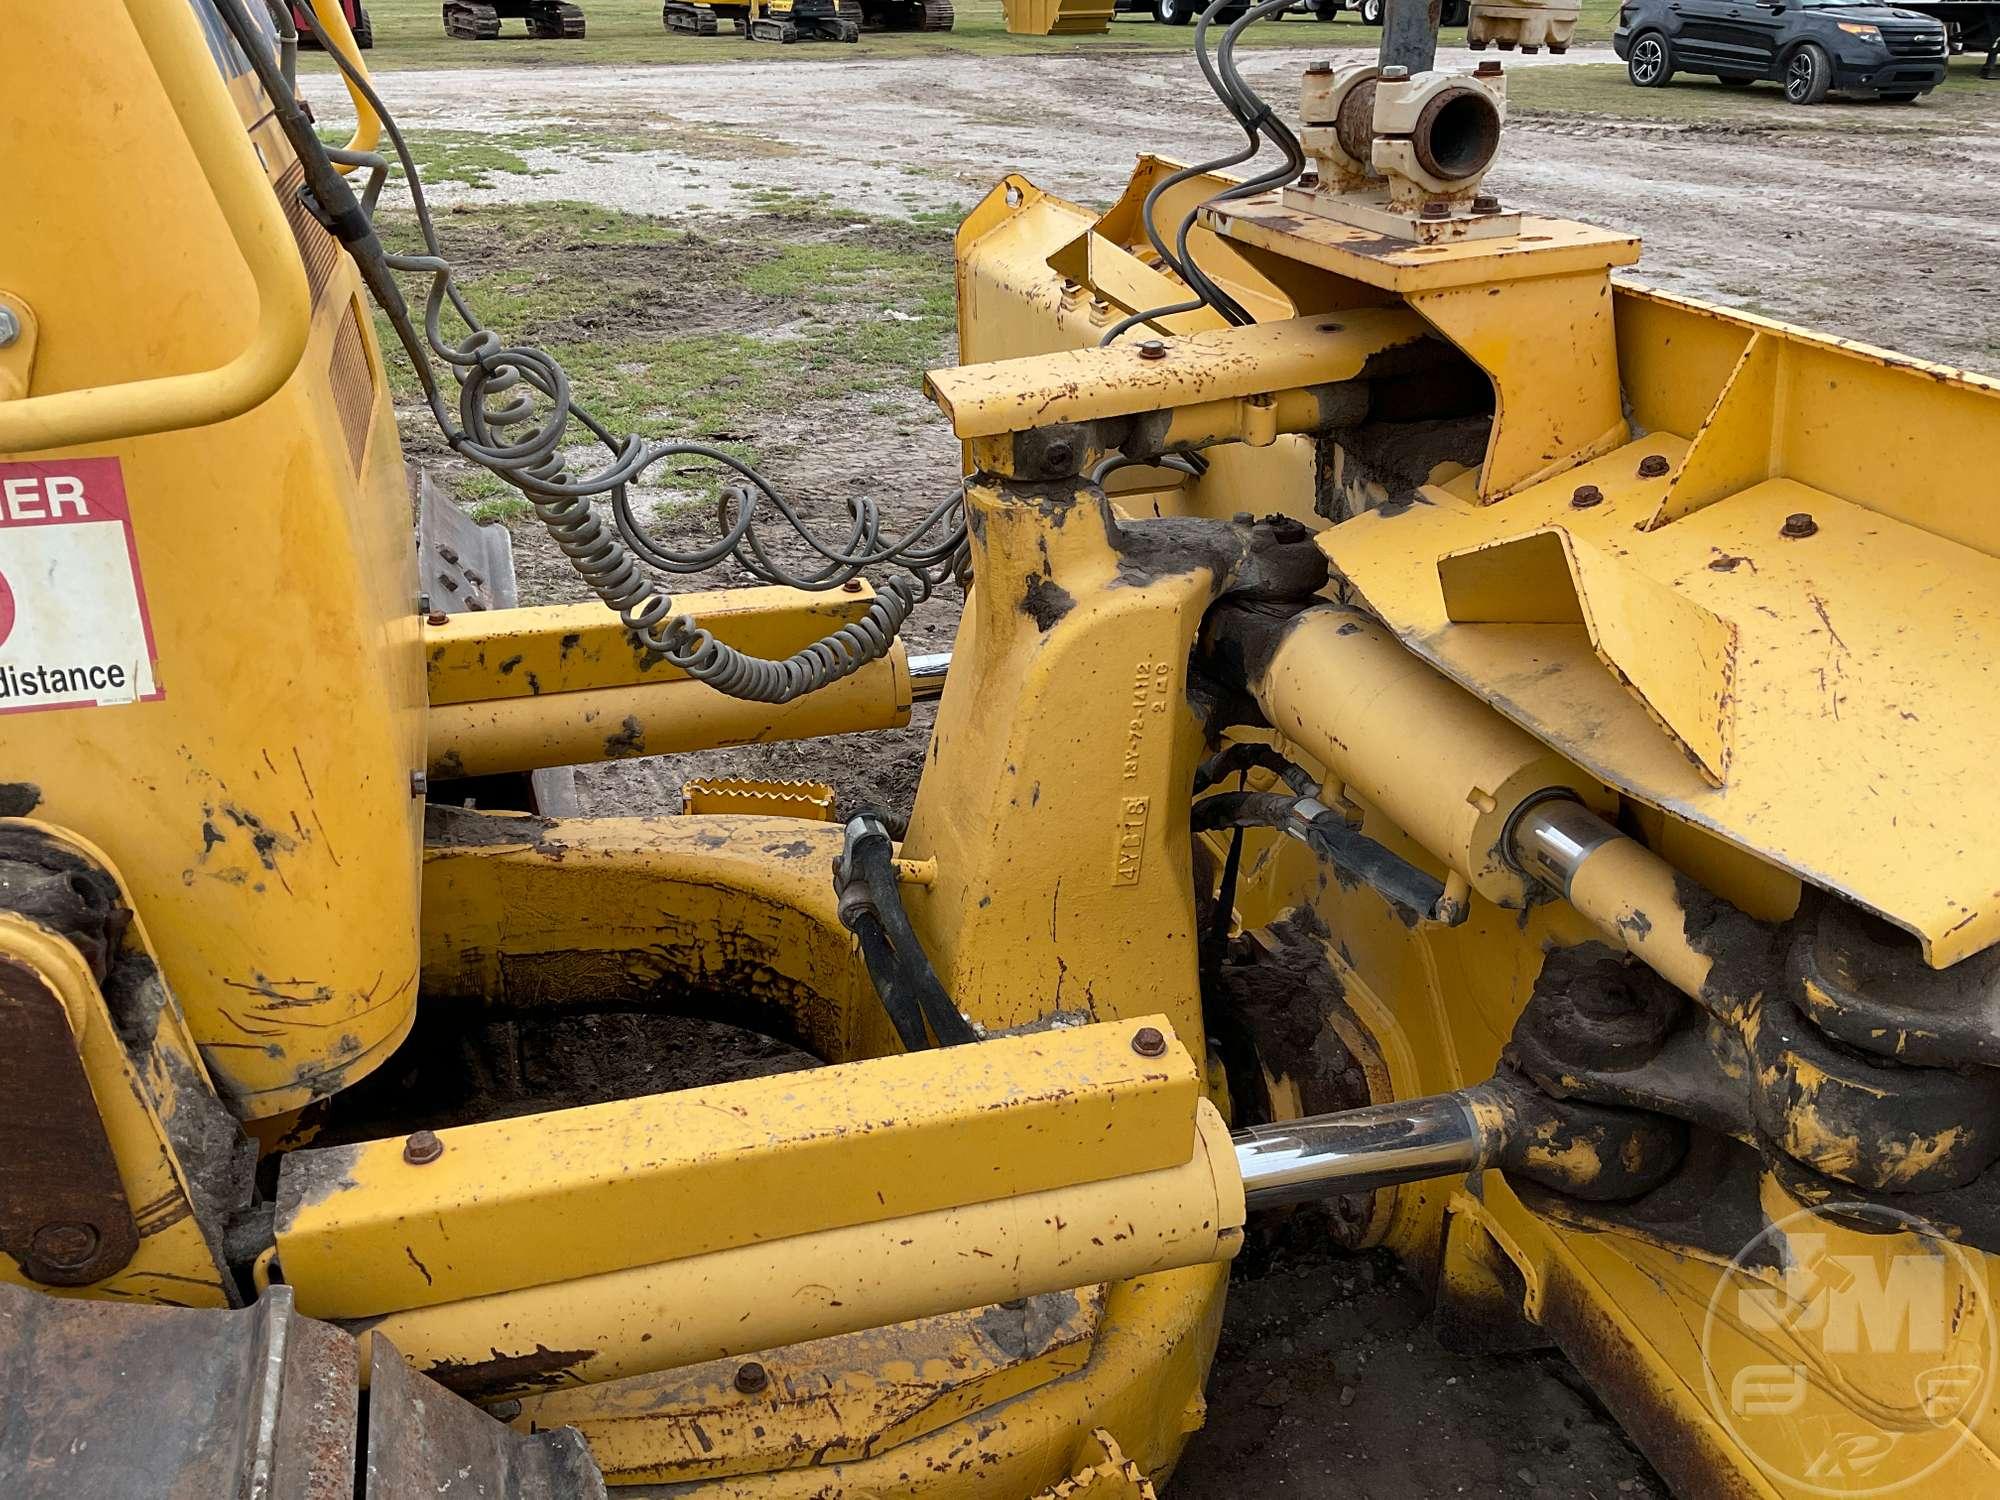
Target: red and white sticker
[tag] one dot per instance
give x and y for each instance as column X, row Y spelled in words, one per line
column 74, row 632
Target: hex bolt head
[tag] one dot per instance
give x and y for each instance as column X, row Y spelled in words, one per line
column 1152, row 349
column 1490, row 68
column 751, row 1377
column 420, row 785
column 1485, row 203
column 10, row 327
column 1394, row 73
column 1320, row 68
column 1585, row 496
column 1798, row 524
column 65, row 1245
column 1653, row 465
column 436, row 617
column 852, row 586
column 1437, row 208
column 1148, row 1042
column 1309, row 178
column 422, row 1148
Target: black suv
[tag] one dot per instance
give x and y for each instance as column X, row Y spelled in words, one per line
column 1813, row 47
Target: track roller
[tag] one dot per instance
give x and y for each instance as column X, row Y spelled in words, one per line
column 469, row 21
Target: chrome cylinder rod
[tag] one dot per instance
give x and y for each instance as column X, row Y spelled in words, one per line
column 1357, row 1150
column 927, row 674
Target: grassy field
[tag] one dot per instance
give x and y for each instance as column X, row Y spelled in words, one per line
column 410, row 34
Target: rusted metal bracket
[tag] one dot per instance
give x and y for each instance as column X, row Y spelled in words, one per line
column 64, row 1217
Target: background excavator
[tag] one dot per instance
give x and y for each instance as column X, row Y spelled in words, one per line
column 1436, row 733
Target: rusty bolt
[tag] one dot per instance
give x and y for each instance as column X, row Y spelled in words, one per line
column 1319, row 68
column 1437, row 208
column 1309, row 178
column 436, row 617
column 1585, row 496
column 1059, row 456
column 1148, row 1042
column 1485, row 203
column 751, row 1377
column 1152, row 349
column 852, row 586
column 1490, row 68
column 1653, row 465
column 1071, row 288
column 1798, row 524
column 420, row 784
column 64, row 1245
column 422, row 1148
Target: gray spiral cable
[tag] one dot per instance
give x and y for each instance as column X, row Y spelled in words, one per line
column 514, row 411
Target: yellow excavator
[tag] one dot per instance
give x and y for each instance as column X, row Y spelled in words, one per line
column 1435, row 730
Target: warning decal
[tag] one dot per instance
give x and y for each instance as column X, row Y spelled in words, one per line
column 74, row 632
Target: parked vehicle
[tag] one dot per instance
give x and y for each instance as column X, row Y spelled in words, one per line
column 1812, row 47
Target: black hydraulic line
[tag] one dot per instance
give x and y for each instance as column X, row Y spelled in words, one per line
column 868, row 885
column 1324, row 831
column 1242, row 756
column 891, row 986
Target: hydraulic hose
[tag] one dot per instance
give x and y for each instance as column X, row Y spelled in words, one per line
column 871, row 907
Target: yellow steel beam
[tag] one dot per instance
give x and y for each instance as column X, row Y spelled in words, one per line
column 518, row 1203
column 481, row 656
column 836, row 1280
column 1217, row 365
column 518, row 689
column 830, row 1401
column 1544, row 247
column 663, row 718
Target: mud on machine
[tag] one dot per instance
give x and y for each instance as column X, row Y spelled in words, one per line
column 1481, row 731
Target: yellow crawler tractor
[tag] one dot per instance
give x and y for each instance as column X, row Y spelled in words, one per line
column 1433, row 729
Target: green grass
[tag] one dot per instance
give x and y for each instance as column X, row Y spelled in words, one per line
column 816, row 306
column 1602, row 91
column 410, row 34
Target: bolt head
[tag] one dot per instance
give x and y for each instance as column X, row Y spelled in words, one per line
column 65, row 1245
column 10, row 327
column 1437, row 208
column 1059, row 457
column 1148, row 1042
column 422, row 1148
column 1653, row 465
column 1490, row 68
column 437, row 617
column 1394, row 73
column 1319, row 68
column 852, row 586
column 1798, row 524
column 420, row 785
column 1585, row 496
column 751, row 1377
column 1486, row 203
column 1152, row 349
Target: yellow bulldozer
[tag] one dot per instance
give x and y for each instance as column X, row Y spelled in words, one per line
column 1435, row 730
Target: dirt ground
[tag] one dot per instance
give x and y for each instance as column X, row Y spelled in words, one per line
column 758, row 254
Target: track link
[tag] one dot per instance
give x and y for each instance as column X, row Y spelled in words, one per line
column 469, row 21
column 689, row 19
column 769, row 29
column 937, row 16
column 558, row 22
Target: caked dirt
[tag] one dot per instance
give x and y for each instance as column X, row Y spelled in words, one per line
column 1330, row 1381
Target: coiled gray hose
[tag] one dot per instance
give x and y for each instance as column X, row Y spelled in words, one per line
column 513, row 416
